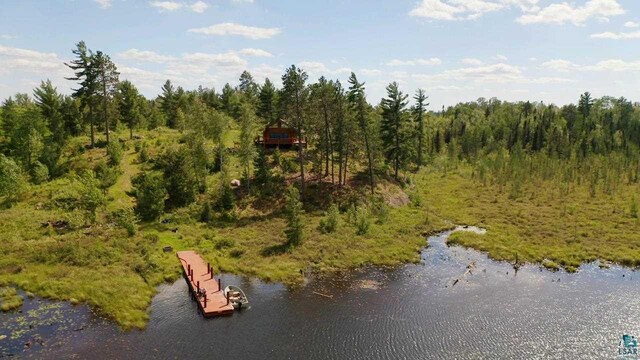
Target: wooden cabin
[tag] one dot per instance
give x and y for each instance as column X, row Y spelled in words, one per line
column 279, row 135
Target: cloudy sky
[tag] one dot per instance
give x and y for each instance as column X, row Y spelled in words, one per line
column 457, row 50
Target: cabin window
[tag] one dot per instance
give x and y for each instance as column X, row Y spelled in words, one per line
column 278, row 136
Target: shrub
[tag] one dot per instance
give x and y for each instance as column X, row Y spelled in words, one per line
column 13, row 182
column 115, row 152
column 362, row 221
column 108, row 175
column 126, row 219
column 330, row 223
column 206, row 214
column 380, row 209
column 39, row 173
column 150, row 195
column 236, row 253
column 91, row 196
column 180, row 179
column 293, row 211
column 633, row 208
column 143, row 154
column 223, row 243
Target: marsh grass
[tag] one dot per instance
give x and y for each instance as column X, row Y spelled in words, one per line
column 117, row 272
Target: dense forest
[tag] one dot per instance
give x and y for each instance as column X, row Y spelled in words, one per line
column 107, row 159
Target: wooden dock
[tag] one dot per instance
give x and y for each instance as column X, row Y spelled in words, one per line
column 199, row 275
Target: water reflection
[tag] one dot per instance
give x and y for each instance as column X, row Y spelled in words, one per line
column 413, row 312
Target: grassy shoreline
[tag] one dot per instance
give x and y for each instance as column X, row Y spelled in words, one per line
column 117, row 274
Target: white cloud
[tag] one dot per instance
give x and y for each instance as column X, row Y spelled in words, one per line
column 370, row 72
column 466, row 9
column 501, row 57
column 559, row 65
column 166, row 5
column 222, row 60
column 617, row 36
column 243, row 1
column 562, row 13
column 492, row 73
column 250, row 32
column 104, row 4
column 147, row 56
column 17, row 60
column 631, row 24
column 414, row 62
column 255, row 52
column 613, row 65
column 471, row 61
column 199, row 7
column 7, row 37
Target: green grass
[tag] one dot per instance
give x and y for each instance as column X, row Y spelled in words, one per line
column 544, row 225
column 9, row 299
column 117, row 275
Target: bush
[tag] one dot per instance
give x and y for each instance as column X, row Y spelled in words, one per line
column 39, row 173
column 91, row 197
column 362, row 221
column 206, row 215
column 180, row 179
column 224, row 243
column 381, row 210
column 150, row 195
column 236, row 253
column 126, row 219
column 330, row 223
column 293, row 211
column 115, row 152
column 633, row 208
column 143, row 154
column 108, row 175
column 13, row 182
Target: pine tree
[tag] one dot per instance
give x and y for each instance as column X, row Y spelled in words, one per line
column 169, row 103
column 419, row 110
column 107, row 78
column 268, row 102
column 294, row 100
column 247, row 151
column 293, row 211
column 248, row 87
column 85, row 73
column 129, row 101
column 360, row 107
column 393, row 126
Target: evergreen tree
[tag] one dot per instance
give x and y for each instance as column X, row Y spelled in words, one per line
column 248, row 87
column 585, row 104
column 150, row 195
column 247, row 151
column 293, row 212
column 360, row 107
column 130, row 103
column 169, row 103
column 294, row 100
column 419, row 110
column 85, row 73
column 107, row 78
column 267, row 108
column 393, row 126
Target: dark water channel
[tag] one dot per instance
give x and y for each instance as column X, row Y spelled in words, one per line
column 409, row 312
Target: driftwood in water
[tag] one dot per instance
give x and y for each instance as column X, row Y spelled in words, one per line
column 325, row 295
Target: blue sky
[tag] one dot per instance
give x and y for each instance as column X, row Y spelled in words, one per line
column 457, row 50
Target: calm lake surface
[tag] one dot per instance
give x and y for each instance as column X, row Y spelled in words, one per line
column 409, row 312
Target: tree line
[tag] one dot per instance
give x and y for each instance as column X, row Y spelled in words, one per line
column 349, row 137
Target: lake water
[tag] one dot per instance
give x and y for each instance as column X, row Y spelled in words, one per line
column 408, row 312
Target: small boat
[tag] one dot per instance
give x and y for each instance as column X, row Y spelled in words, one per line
column 236, row 296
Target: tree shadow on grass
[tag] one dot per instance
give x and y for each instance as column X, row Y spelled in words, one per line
column 275, row 250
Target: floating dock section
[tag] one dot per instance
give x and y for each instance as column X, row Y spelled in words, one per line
column 199, row 275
